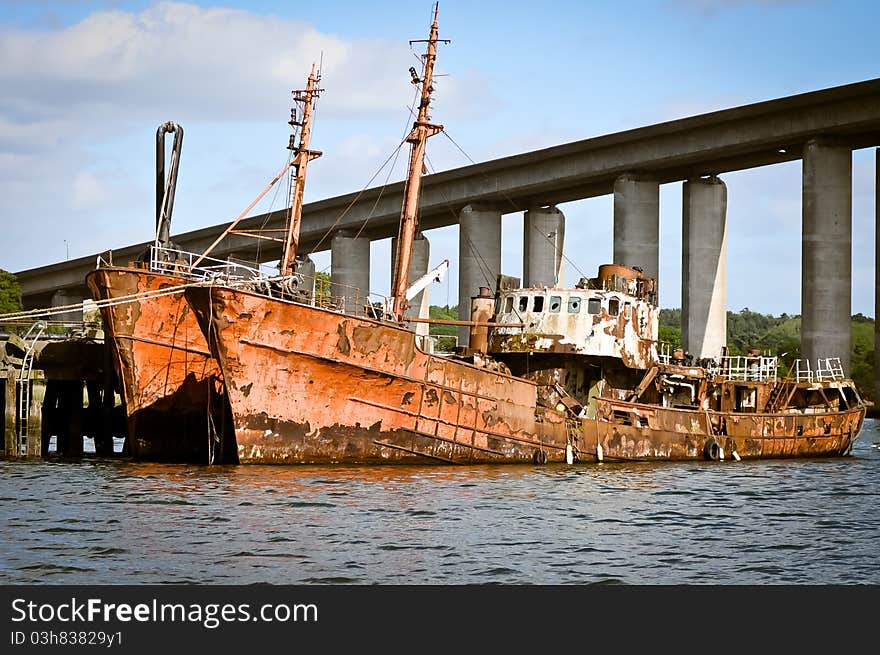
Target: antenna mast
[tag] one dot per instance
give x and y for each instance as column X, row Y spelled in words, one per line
column 422, row 129
column 302, row 157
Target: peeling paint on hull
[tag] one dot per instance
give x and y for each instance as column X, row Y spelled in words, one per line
column 170, row 382
column 308, row 385
column 634, row 431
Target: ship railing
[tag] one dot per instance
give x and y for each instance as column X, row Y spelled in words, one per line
column 664, row 352
column 301, row 287
column 181, row 262
column 827, row 369
column 351, row 300
column 745, row 369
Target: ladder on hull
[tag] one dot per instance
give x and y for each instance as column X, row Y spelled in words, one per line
column 23, row 386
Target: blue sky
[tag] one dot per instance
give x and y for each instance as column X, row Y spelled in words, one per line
column 86, row 84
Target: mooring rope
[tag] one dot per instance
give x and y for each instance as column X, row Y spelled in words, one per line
column 108, row 302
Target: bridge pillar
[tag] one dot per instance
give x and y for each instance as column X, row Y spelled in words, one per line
column 637, row 223
column 479, row 257
column 704, row 267
column 543, row 241
column 350, row 270
column 877, row 274
column 826, row 252
column 421, row 254
column 62, row 298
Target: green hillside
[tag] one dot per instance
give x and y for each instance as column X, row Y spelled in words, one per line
column 446, row 333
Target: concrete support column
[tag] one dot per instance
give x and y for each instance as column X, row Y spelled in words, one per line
column 421, row 255
column 826, row 252
column 350, row 270
column 543, row 241
column 704, row 267
column 479, row 257
column 63, row 298
column 637, row 223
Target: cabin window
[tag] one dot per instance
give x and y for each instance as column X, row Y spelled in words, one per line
column 574, row 305
column 523, row 303
column 614, row 307
column 627, row 309
column 555, row 304
column 746, row 398
column 508, row 304
column 538, row 305
column 594, row 305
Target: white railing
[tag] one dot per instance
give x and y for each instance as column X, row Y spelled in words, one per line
column 828, row 368
column 664, row 353
column 180, row 262
column 266, row 279
column 755, row 369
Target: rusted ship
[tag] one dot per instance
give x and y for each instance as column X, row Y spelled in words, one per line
column 309, row 383
column 640, row 403
column 172, row 386
column 550, row 375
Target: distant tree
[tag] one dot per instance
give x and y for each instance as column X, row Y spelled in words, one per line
column 10, row 293
column 446, row 334
column 670, row 335
column 670, row 318
column 322, row 288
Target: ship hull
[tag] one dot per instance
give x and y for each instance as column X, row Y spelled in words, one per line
column 309, row 385
column 633, row 431
column 173, row 390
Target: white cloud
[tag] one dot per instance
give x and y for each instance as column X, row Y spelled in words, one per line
column 88, row 192
column 80, row 104
column 211, row 63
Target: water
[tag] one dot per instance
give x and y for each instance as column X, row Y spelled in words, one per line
column 752, row 522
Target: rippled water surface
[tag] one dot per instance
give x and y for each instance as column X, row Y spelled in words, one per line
column 757, row 522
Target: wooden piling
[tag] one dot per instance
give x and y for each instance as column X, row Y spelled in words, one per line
column 74, row 407
column 49, row 413
column 9, row 437
column 35, row 422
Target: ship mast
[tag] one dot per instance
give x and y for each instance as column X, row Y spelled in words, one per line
column 302, row 157
column 422, row 129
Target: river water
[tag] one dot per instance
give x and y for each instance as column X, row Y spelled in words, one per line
column 106, row 521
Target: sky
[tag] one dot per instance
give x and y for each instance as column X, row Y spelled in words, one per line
column 85, row 85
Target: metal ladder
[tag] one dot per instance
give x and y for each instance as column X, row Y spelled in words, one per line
column 23, row 385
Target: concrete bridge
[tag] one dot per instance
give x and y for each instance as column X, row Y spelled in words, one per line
column 822, row 128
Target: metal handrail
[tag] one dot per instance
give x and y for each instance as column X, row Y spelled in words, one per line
column 827, row 369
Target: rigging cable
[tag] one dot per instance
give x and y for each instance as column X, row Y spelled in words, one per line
column 514, row 205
